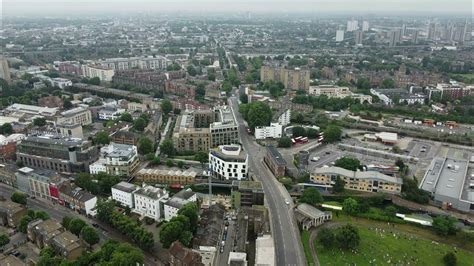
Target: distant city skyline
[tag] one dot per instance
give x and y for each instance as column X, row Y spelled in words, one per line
column 395, row 7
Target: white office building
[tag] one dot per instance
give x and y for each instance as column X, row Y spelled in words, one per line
column 275, row 131
column 148, row 201
column 61, row 83
column 173, row 205
column 78, row 115
column 123, row 193
column 229, row 162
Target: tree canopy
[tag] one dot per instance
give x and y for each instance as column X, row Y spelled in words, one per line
column 166, row 106
column 256, row 114
column 145, row 146
column 348, row 163
column 311, row 196
column 102, row 138
column 19, row 197
column 332, row 134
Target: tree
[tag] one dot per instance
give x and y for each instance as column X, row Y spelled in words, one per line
column 145, row 146
column 180, row 164
column 48, row 258
column 94, row 81
column 4, row 239
column 166, row 106
column 24, row 221
column 140, row 124
column 90, row 235
column 348, row 163
column 332, row 134
column 284, row 142
column 244, row 98
column 39, row 122
column 85, row 181
column 191, row 211
column 192, row 70
column 42, row 215
column 390, row 210
column 102, row 138
column 363, row 84
column 67, row 104
column 66, row 221
column 6, row 129
column 350, row 206
column 348, row 237
column 298, row 118
column 76, row 225
column 259, row 114
column 338, row 185
column 105, row 208
column 450, row 259
column 388, row 84
column 311, row 196
column 326, row 237
column 169, row 163
column 170, row 232
column 19, row 197
column 312, row 133
column 167, row 147
column 298, row 132
column 200, row 91
column 445, row 225
column 211, row 76
column 126, row 117
column 201, row 157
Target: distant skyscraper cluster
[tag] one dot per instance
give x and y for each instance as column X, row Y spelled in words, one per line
column 339, row 35
column 352, row 25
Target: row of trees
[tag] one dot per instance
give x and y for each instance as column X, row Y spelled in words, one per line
column 348, row 163
column 129, row 227
column 345, row 237
column 30, row 216
column 181, row 227
column 111, row 253
column 80, row 228
column 99, row 184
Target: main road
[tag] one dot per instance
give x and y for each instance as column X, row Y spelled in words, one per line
column 288, row 247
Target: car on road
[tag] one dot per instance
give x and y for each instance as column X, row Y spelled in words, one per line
column 222, row 249
column 287, row 201
column 315, row 159
column 328, row 152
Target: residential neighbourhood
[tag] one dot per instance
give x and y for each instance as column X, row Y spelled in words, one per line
column 236, row 133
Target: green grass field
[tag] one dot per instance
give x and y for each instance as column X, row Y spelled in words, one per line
column 391, row 246
column 307, row 250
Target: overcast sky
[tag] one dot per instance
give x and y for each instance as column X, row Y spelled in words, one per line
column 80, row 7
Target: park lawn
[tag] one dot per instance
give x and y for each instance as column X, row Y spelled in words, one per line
column 392, row 245
column 307, row 248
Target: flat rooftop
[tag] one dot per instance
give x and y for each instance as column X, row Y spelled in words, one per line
column 245, row 184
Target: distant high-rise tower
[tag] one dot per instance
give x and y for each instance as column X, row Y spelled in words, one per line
column 249, row 15
column 394, row 37
column 365, row 26
column 415, row 36
column 4, row 70
column 404, row 29
column 352, row 25
column 431, row 31
column 359, row 37
column 339, row 35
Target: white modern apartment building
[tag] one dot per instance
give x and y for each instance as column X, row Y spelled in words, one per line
column 117, row 159
column 338, row 92
column 284, row 117
column 61, row 82
column 123, row 193
column 148, row 201
column 173, row 205
column 229, row 162
column 275, row 130
column 93, row 71
column 78, row 115
column 27, row 109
